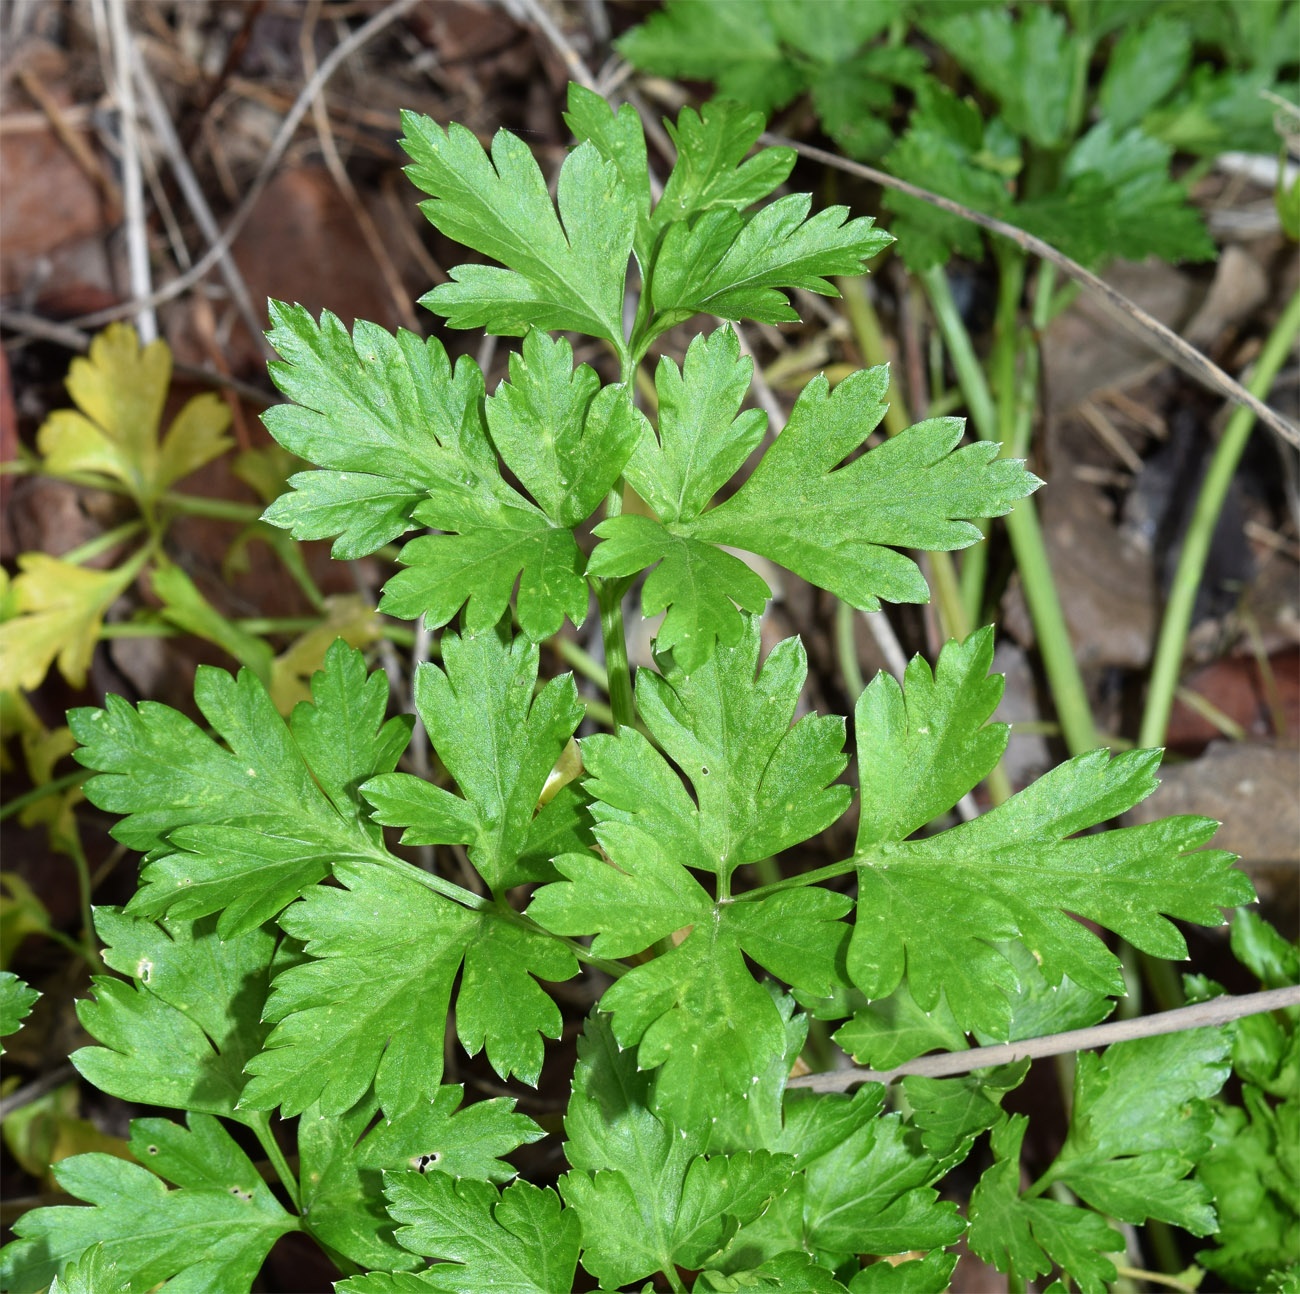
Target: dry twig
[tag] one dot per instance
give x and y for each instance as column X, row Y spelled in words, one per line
column 1219, row 1010
column 1161, row 339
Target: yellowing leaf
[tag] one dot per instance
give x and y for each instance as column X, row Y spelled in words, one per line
column 119, row 391
column 61, row 608
column 196, row 436
column 49, row 1130
column 349, row 617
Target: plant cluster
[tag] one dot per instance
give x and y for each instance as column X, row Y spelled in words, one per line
column 286, row 976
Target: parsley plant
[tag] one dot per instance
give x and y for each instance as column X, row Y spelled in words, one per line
column 286, row 978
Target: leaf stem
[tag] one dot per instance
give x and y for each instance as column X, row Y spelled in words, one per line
column 580, row 662
column 1196, row 547
column 37, row 793
column 1154, row 1278
column 871, row 345
column 448, row 889
column 1068, row 691
column 72, row 845
column 847, row 650
column 261, row 1126
column 1002, row 369
column 829, row 872
column 101, row 543
column 614, row 969
column 609, row 597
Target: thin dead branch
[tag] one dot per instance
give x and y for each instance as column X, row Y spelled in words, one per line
column 1159, row 338
column 1219, row 1010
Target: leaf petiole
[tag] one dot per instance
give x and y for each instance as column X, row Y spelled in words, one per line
column 260, row 1123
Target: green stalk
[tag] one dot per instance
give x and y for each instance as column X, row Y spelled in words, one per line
column 196, row 505
column 674, row 1281
column 101, row 543
column 871, row 344
column 1002, row 369
column 73, row 846
column 261, row 1126
column 1196, row 547
column 827, row 873
column 609, row 597
column 1026, row 537
column 847, row 650
column 953, row 618
column 580, row 662
column 52, row 787
column 259, row 625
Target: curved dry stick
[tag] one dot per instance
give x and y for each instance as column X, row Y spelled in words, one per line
column 1161, row 339
column 1217, row 1010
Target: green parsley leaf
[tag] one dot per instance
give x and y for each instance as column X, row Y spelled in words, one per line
column 372, row 1003
column 249, row 826
column 734, row 44
column 16, row 1002
column 343, row 1161
column 385, row 414
column 406, row 442
column 863, row 1185
column 497, row 739
column 760, row 785
column 92, row 1273
column 343, row 735
column 697, row 583
column 183, row 1034
column 928, row 1275
column 1147, row 62
column 1039, row 1007
column 765, row 52
column 1117, row 199
column 949, row 150
column 704, row 438
column 1024, row 1235
column 921, row 750
column 1027, row 61
column 913, row 491
column 710, row 171
column 519, row 1239
column 952, row 1112
column 1016, row 871
column 212, row 1233
column 1221, row 109
column 1253, row 1173
column 696, row 1010
column 567, row 440
column 854, row 96
column 724, row 264
column 894, row 1029
column 558, row 276
column 564, row 436
column 648, row 1199
column 1139, row 1123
